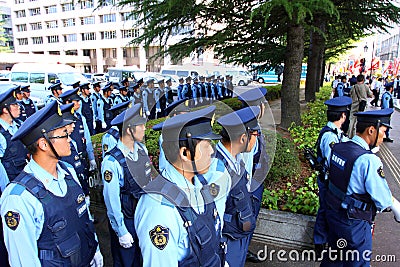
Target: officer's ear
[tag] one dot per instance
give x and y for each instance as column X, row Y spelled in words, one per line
column 184, row 154
column 371, row 130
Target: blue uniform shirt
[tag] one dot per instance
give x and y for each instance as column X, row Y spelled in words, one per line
column 365, row 178
column 154, row 209
column 86, row 134
column 111, row 190
column 386, row 97
column 86, row 99
column 95, row 97
column 12, row 129
column 100, row 108
column 329, row 138
column 22, row 242
column 108, row 141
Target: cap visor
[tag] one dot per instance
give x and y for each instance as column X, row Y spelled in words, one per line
column 63, row 123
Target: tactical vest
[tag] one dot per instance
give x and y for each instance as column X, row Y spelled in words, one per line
column 189, row 93
column 132, row 188
column 68, row 235
column 260, row 164
column 239, row 217
column 359, row 206
column 14, row 159
column 87, row 110
column 320, row 159
column 29, row 107
column 108, row 116
column 79, row 168
column 180, row 89
column 22, row 117
column 204, row 240
column 150, row 98
column 78, row 135
column 114, row 133
column 202, row 89
column 137, row 99
column 391, row 99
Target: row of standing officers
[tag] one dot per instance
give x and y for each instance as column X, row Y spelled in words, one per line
column 199, row 211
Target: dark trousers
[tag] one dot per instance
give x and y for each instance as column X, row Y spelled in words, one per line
column 125, row 257
column 374, row 101
column 321, row 227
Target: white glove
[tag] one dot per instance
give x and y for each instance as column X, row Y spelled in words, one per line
column 201, row 100
column 126, row 240
column 103, row 125
column 396, row 209
column 195, row 102
column 94, row 124
column 93, row 165
column 158, row 109
column 97, row 260
column 148, row 113
column 207, row 99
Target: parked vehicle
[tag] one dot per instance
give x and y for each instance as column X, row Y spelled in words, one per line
column 5, row 75
column 95, row 77
column 117, row 74
column 7, row 85
column 40, row 76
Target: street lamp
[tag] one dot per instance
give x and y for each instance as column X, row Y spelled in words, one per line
column 365, row 48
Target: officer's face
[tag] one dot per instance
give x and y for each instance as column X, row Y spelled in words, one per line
column 77, row 104
column 252, row 141
column 381, row 135
column 15, row 110
column 60, row 140
column 124, row 92
column 139, row 132
column 204, row 151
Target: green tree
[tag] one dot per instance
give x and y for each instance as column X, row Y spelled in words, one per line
column 241, row 31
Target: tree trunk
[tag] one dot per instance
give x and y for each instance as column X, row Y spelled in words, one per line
column 322, row 76
column 321, row 66
column 314, row 62
column 290, row 102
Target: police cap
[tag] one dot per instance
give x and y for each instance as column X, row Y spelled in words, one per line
column 149, row 81
column 8, row 97
column 140, row 82
column 253, row 97
column 196, row 125
column 75, row 84
column 241, row 121
column 84, row 86
column 181, row 79
column 178, row 106
column 123, row 88
column 43, row 121
column 125, row 80
column 132, row 116
column 96, row 84
column 67, row 111
column 25, row 88
column 55, row 86
column 120, row 106
column 381, row 116
column 70, row 95
column 107, row 87
column 340, row 103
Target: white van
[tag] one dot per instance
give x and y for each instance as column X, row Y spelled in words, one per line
column 40, row 76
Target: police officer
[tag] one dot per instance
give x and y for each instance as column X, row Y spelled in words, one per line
column 180, row 88
column 103, row 108
column 148, row 100
column 169, row 96
column 111, row 137
column 157, row 93
column 87, row 107
column 95, row 97
column 387, row 102
column 56, row 91
column 329, row 135
column 357, row 188
column 187, row 90
column 18, row 95
column 209, row 90
column 45, row 217
column 28, row 104
column 176, row 221
column 239, row 135
column 202, row 85
column 13, row 154
column 125, row 169
column 122, row 96
column 163, row 98
column 196, row 91
column 258, row 157
column 136, row 96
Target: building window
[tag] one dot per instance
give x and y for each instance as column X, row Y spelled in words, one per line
column 86, row 52
column 87, row 4
column 36, row 26
column 87, row 20
column 22, row 41
column 114, row 52
column 132, row 33
column 136, row 52
column 20, row 14
column 70, row 38
column 67, row 7
column 21, row 28
column 37, row 40
column 34, row 11
column 124, row 52
column 71, row 52
column 127, row 16
column 108, row 2
column 51, row 9
column 54, row 52
column 107, row 18
column 104, row 52
column 68, row 22
column 52, row 24
column 88, row 36
column 94, row 53
column 108, row 35
column 52, row 39
column 19, row 2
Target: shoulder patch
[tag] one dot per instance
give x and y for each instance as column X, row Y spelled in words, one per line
column 214, row 190
column 12, row 219
column 381, row 173
column 159, row 236
column 107, row 176
column 17, row 190
column 105, row 147
column 332, row 144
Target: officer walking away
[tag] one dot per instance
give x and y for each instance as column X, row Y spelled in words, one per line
column 125, row 169
column 87, row 107
column 169, row 96
column 239, row 135
column 180, row 88
column 176, row 219
column 149, row 100
column 103, row 108
column 357, row 190
column 187, row 90
column 111, row 137
column 56, row 91
column 95, row 97
column 328, row 136
column 44, row 208
column 13, row 154
column 28, row 104
column 387, row 102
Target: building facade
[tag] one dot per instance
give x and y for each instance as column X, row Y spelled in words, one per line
column 6, row 33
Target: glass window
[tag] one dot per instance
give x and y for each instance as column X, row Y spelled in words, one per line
column 108, row 35
column 20, row 14
column 107, row 18
column 132, row 33
column 70, row 38
column 21, row 28
column 87, row 4
column 114, row 53
column 37, row 78
column 87, row 20
column 88, row 36
column 52, row 24
column 19, row 77
column 22, row 41
column 19, row 1
column 51, row 9
column 52, row 39
column 52, row 77
column 68, row 22
column 37, row 40
column 67, row 7
column 34, row 11
column 36, row 26
column 127, row 16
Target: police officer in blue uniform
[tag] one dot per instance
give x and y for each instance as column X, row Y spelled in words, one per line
column 56, row 91
column 45, row 218
column 136, row 96
column 187, row 90
column 176, row 220
column 148, row 100
column 180, row 88
column 104, row 103
column 387, row 102
column 111, row 137
column 95, row 97
column 329, row 135
column 169, row 96
column 125, row 170
column 239, row 135
column 122, row 96
column 87, row 107
column 13, row 154
column 357, row 189
column 28, row 104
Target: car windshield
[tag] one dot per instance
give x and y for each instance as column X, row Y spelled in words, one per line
column 71, row 77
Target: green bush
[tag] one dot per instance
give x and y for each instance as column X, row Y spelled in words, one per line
column 274, row 92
